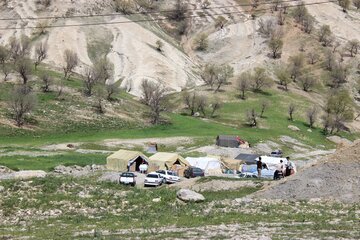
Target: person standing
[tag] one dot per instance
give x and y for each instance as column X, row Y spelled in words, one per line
column 289, row 167
column 259, row 167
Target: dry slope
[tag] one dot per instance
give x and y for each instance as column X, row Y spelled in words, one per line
column 335, row 177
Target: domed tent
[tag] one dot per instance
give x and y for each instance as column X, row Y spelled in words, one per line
column 124, row 160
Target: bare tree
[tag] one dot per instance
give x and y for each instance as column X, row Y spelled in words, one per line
column 275, row 45
column 147, row 89
column 23, row 67
column 209, row 74
column 252, row 117
column 307, row 81
column 325, row 35
column 225, row 73
column 71, row 61
column 157, row 102
column 159, row 45
column 103, row 69
column 300, row 12
column 281, row 17
column 339, row 109
column 260, row 79
column 215, row 106
column 123, row 6
column 201, row 104
column 353, row 46
column 4, row 54
column 201, row 42
column 339, row 74
column 21, row 102
column 311, row 115
column 244, row 83
column 296, row 65
column 284, row 77
column 15, row 47
column 41, row 50
column 264, row 107
column 313, row 57
column 178, row 13
column 220, row 22
column 90, row 78
column 41, row 27
column 5, row 70
column 47, row 81
column 190, row 101
column 112, row 89
column 267, row 27
column 329, row 60
column 307, row 23
column 345, row 4
column 291, row 111
column 100, row 95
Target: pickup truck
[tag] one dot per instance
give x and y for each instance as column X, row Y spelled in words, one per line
column 127, row 178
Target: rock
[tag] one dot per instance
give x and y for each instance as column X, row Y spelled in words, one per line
column 22, row 175
column 339, row 140
column 2, row 189
column 293, row 128
column 187, row 195
column 157, row 200
column 197, row 114
column 309, row 130
column 4, row 169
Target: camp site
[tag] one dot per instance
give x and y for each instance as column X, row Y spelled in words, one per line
column 179, row 119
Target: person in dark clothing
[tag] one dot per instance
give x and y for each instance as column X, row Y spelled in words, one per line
column 259, row 167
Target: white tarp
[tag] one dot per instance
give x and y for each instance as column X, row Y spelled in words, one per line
column 209, row 165
column 272, row 162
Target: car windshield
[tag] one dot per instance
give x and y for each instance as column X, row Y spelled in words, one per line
column 172, row 173
column 152, row 176
column 197, row 170
column 127, row 175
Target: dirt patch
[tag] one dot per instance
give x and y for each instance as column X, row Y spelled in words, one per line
column 335, row 177
column 220, row 185
column 145, row 141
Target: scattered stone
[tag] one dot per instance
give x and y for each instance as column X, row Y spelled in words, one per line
column 23, row 175
column 309, row 130
column 2, row 189
column 157, row 200
column 187, row 195
column 293, row 128
column 78, row 170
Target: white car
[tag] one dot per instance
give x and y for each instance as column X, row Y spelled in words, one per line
column 153, row 179
column 169, row 176
column 127, row 178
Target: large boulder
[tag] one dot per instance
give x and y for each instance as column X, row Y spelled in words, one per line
column 293, row 128
column 187, row 195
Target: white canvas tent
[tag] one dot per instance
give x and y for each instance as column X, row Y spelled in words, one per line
column 210, row 165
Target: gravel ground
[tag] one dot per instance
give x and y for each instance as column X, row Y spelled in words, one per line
column 335, row 177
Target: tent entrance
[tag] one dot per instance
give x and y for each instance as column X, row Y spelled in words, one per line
column 135, row 164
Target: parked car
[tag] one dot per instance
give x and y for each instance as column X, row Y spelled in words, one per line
column 276, row 153
column 127, row 178
column 192, row 172
column 153, row 179
column 169, row 176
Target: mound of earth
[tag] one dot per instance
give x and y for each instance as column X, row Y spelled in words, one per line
column 335, row 177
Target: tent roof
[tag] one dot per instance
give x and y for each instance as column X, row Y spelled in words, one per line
column 126, row 155
column 227, row 137
column 168, row 158
column 247, row 157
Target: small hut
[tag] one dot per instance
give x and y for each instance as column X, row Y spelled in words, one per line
column 169, row 161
